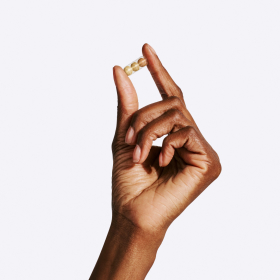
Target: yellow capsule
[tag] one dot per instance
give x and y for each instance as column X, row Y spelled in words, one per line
column 128, row 70
column 135, row 66
column 142, row 62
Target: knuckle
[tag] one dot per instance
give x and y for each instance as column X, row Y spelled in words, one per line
column 214, row 167
column 143, row 134
column 190, row 131
column 217, row 168
column 176, row 102
column 166, row 141
column 179, row 90
column 175, row 114
column 135, row 116
column 146, row 136
column 139, row 119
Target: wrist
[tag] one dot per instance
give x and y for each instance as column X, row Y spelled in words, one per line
column 128, row 252
column 127, row 231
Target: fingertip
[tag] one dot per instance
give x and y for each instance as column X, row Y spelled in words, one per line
column 154, row 64
column 136, row 154
column 116, row 67
column 120, row 77
column 114, row 70
column 145, row 150
column 117, row 70
column 147, row 49
column 127, row 97
column 166, row 153
column 162, row 160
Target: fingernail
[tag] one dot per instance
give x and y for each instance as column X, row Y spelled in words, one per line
column 160, row 159
column 136, row 154
column 152, row 50
column 129, row 135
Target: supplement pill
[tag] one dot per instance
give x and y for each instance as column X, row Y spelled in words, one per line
column 135, row 65
column 128, row 70
column 142, row 62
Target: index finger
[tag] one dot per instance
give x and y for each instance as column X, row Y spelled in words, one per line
column 165, row 84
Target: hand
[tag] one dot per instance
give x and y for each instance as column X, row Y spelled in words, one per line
column 153, row 185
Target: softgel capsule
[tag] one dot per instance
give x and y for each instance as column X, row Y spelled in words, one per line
column 135, row 65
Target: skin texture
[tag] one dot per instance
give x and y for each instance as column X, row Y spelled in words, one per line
column 151, row 185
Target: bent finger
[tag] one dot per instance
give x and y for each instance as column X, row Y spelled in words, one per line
column 171, row 120
column 193, row 146
column 149, row 113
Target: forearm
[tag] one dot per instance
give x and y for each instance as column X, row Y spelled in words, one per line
column 128, row 252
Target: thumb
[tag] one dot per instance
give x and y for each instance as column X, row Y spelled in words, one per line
column 127, row 102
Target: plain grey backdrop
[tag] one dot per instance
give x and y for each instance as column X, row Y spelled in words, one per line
column 57, row 119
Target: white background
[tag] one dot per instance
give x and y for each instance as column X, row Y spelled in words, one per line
column 57, row 119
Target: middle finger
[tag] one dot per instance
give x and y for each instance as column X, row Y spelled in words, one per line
column 147, row 114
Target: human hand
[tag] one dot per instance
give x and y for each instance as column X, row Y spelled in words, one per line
column 151, row 185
